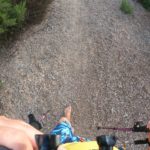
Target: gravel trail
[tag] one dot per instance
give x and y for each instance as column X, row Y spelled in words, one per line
column 86, row 53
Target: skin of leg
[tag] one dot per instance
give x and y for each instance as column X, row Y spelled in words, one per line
column 14, row 139
column 67, row 112
column 67, row 116
column 22, row 126
column 61, row 148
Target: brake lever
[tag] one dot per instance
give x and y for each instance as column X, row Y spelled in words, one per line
column 140, row 127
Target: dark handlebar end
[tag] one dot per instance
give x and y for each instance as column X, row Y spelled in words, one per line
column 146, row 141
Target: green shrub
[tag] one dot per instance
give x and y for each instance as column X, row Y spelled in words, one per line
column 20, row 12
column 1, row 84
column 126, row 7
column 145, row 3
column 11, row 15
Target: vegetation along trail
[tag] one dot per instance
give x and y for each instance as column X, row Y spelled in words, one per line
column 86, row 53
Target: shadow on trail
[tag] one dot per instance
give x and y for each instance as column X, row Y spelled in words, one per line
column 37, row 10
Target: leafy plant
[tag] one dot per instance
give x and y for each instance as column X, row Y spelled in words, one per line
column 126, row 7
column 11, row 15
column 145, row 3
column 20, row 12
column 1, row 84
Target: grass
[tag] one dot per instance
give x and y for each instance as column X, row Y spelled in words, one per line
column 20, row 15
column 1, row 84
column 126, row 7
column 11, row 15
column 145, row 3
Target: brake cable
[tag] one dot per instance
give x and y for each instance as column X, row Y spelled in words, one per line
column 138, row 127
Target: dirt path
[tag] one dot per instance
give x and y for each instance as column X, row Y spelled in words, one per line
column 87, row 54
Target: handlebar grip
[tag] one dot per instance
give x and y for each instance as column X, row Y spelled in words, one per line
column 142, row 142
column 47, row 142
column 139, row 127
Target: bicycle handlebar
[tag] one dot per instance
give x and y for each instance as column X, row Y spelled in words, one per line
column 139, row 127
column 51, row 142
column 146, row 141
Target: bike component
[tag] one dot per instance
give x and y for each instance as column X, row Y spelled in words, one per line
column 142, row 142
column 47, row 142
column 140, row 127
column 4, row 148
column 33, row 122
column 106, row 142
column 118, row 129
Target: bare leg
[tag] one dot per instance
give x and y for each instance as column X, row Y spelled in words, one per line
column 21, row 126
column 67, row 115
